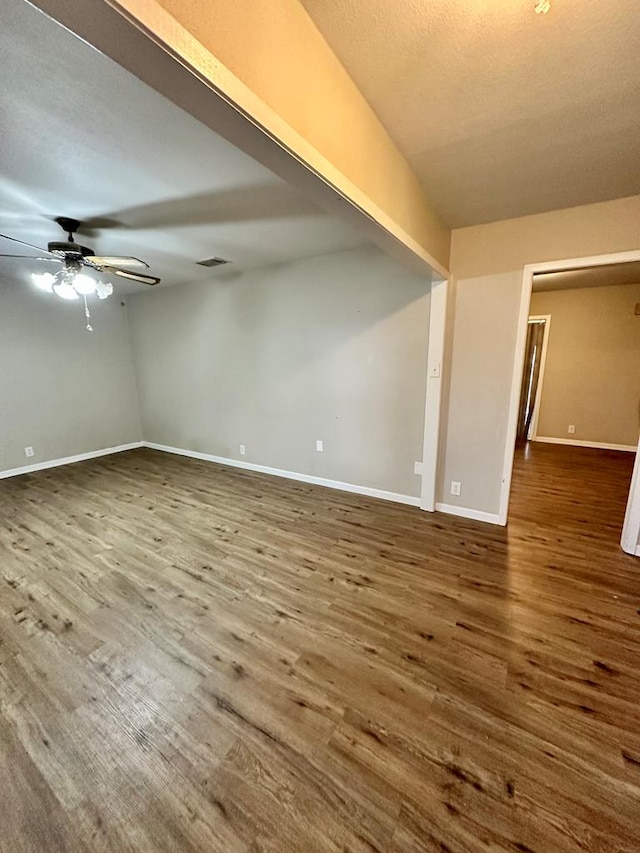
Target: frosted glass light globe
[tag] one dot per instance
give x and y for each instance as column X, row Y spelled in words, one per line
column 65, row 291
column 104, row 289
column 84, row 284
column 43, row 281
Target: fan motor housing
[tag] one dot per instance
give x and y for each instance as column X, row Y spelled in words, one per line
column 70, row 249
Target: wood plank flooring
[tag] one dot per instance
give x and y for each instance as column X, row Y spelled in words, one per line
column 195, row 658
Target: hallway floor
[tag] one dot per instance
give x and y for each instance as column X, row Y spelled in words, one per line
column 578, row 489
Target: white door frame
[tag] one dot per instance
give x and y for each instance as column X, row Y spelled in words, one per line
column 433, row 394
column 630, row 541
column 632, row 520
column 533, row 426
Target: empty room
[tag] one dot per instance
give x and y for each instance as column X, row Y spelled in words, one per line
column 319, row 491
column 579, row 413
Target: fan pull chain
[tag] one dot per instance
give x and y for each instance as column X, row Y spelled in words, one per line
column 89, row 327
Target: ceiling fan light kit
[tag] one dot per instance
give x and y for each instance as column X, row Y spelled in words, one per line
column 71, row 282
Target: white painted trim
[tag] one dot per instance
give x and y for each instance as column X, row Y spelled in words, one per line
column 630, row 539
column 433, row 394
column 289, row 475
column 582, row 263
column 518, row 362
column 465, row 512
column 602, row 445
column 514, row 397
column 68, row 460
column 533, row 428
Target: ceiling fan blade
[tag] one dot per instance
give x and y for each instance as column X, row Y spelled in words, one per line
column 112, row 260
column 31, row 258
column 30, row 245
column 134, row 276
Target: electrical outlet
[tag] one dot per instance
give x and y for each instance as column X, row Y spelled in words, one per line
column 417, row 467
column 572, row 429
column 320, row 446
column 243, row 450
column 456, row 487
column 28, row 451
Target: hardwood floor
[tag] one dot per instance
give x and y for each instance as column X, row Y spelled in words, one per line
column 195, row 658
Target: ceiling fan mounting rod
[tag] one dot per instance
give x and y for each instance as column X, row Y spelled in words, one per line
column 68, row 225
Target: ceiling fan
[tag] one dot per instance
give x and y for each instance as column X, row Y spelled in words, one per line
column 71, row 282
column 73, row 257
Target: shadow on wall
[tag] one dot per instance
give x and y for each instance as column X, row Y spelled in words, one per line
column 311, row 307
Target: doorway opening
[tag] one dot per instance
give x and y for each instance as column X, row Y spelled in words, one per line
column 575, row 407
column 538, row 328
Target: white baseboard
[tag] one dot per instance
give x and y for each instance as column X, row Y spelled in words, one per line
column 465, row 512
column 602, row 445
column 67, row 460
column 289, row 475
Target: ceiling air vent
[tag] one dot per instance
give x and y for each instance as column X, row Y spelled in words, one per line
column 212, row 262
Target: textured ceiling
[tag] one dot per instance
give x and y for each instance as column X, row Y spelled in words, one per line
column 83, row 138
column 501, row 112
column 601, row 276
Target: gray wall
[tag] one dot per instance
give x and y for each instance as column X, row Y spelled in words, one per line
column 63, row 390
column 482, row 351
column 331, row 348
column 592, row 373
